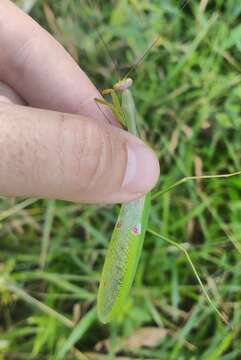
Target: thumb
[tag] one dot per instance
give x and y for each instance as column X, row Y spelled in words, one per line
column 71, row 157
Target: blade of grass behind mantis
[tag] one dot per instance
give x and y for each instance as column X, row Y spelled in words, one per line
column 188, row 178
column 79, row 330
column 36, row 303
column 15, row 209
column 222, row 315
column 49, row 217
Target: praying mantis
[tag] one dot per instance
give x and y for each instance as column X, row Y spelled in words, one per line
column 127, row 239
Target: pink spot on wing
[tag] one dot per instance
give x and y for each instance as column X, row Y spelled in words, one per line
column 136, row 230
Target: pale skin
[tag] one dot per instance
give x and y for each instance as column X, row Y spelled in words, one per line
column 54, row 140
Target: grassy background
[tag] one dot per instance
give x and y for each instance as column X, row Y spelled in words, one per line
column 188, row 93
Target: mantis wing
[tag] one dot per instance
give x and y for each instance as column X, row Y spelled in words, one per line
column 122, row 258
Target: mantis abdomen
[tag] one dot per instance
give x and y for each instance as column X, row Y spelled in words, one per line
column 122, row 257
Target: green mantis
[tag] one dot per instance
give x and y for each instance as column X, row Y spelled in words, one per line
column 127, row 239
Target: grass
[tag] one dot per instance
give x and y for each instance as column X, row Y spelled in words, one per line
column 188, row 93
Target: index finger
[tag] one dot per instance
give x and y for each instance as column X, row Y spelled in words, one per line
column 39, row 69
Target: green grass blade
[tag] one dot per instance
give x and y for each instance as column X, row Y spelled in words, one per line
column 222, row 315
column 79, row 330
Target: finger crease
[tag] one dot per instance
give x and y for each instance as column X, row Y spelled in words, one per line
column 98, row 167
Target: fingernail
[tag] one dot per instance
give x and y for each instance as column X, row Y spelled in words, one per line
column 142, row 169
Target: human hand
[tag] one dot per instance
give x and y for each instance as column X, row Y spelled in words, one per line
column 54, row 141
